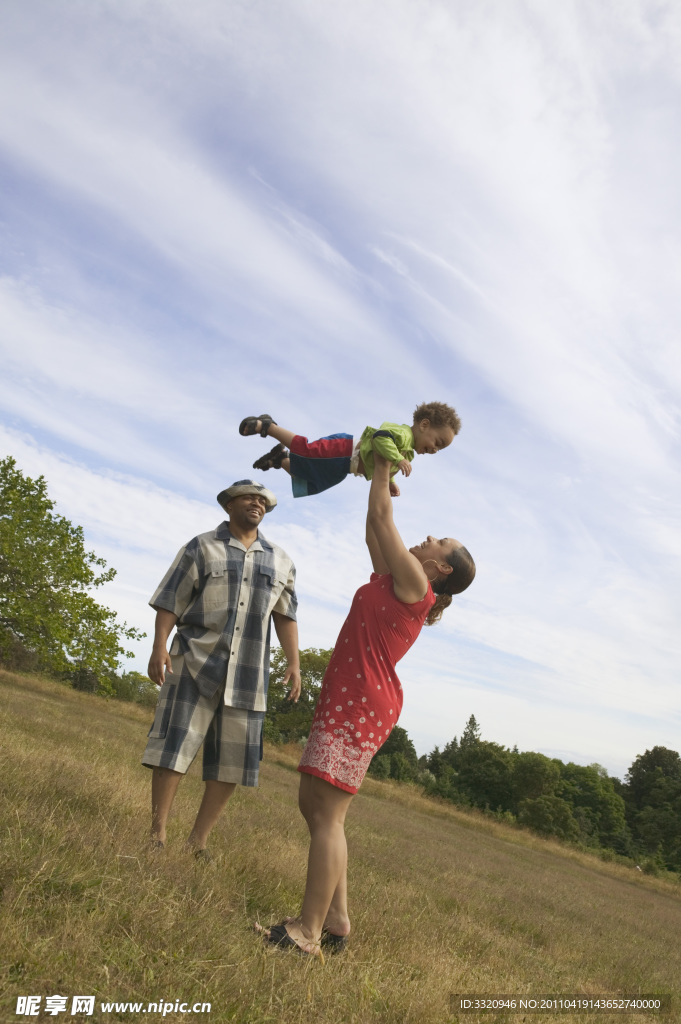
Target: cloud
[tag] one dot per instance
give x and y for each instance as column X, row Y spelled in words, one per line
column 219, row 240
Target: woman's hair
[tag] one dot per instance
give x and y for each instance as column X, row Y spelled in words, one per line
column 439, row 414
column 461, row 576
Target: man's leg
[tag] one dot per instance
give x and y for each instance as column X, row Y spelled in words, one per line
column 231, row 751
column 182, row 720
column 164, row 783
column 215, row 796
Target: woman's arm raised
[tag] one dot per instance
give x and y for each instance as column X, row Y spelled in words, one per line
column 377, row 560
column 386, row 547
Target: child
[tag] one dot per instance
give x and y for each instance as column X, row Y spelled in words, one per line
column 316, row 465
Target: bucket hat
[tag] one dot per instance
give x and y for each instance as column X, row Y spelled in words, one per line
column 246, row 487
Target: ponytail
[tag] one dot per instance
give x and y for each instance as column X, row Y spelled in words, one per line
column 442, row 601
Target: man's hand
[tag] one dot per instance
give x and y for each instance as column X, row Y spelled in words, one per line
column 287, row 632
column 404, row 467
column 160, row 659
column 158, row 663
column 292, row 676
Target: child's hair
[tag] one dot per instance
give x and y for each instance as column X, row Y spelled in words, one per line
column 461, row 577
column 439, row 414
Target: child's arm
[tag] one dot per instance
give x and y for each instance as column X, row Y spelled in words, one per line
column 392, row 441
column 383, row 442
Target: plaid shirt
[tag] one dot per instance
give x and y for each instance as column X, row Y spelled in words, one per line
column 224, row 596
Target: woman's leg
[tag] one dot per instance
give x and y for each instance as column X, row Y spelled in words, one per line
column 337, row 921
column 325, row 902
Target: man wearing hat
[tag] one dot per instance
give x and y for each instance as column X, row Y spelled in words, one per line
column 220, row 593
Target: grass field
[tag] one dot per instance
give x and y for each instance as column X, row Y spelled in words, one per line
column 441, row 902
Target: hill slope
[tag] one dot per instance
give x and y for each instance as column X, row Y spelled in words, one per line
column 440, row 903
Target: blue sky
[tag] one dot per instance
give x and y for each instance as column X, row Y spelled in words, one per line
column 333, row 213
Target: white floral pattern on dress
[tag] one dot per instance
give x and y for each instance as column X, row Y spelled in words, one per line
column 335, row 755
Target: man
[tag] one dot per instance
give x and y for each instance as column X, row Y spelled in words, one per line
column 221, row 592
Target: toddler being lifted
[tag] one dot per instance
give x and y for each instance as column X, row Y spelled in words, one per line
column 316, row 465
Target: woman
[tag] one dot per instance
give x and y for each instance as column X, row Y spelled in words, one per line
column 360, row 702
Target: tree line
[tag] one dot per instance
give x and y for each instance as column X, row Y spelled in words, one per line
column 638, row 819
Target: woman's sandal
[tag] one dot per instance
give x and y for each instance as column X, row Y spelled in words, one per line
column 329, row 940
column 278, row 936
column 334, row 943
column 273, row 459
column 249, row 425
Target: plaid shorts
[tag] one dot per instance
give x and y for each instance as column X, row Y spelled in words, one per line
column 184, row 719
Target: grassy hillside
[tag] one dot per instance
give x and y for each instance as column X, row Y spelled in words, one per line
column 441, row 902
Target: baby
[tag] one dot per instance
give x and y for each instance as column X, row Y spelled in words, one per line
column 316, row 465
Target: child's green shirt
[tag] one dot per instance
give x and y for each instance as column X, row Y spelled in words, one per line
column 394, row 441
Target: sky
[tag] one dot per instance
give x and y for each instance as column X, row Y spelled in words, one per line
column 335, row 212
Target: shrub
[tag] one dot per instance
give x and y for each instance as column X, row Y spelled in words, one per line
column 380, row 767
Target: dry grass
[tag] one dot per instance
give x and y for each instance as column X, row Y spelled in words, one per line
column 442, row 902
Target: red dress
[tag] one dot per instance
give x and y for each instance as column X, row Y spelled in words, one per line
column 361, row 696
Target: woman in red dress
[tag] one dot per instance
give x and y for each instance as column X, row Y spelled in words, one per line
column 360, row 702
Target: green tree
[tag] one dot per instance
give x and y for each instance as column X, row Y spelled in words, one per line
column 445, row 784
column 653, row 804
column 648, row 771
column 135, row 687
column 400, row 768
column 484, row 774
column 471, row 733
column 401, row 753
column 597, row 808
column 550, row 816
column 438, row 760
column 380, row 767
column 286, row 722
column 45, row 576
column 533, row 775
